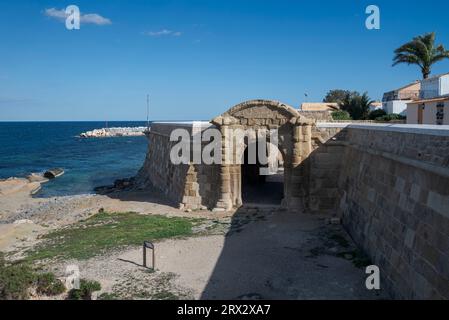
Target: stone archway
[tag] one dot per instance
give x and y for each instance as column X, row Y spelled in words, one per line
column 295, row 142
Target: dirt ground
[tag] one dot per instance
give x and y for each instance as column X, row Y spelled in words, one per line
column 259, row 253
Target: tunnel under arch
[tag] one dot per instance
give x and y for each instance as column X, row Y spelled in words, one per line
column 262, row 183
column 294, row 143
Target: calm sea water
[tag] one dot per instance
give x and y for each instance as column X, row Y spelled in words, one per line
column 27, row 147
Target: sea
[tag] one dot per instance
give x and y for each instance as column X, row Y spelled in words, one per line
column 34, row 147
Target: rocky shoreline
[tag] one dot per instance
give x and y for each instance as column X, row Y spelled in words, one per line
column 115, row 132
column 32, row 182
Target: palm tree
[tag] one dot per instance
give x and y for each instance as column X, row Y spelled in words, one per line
column 356, row 105
column 422, row 52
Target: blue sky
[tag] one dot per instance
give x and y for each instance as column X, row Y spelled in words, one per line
column 199, row 58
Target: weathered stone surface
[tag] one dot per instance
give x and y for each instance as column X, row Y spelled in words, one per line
column 388, row 184
column 410, row 211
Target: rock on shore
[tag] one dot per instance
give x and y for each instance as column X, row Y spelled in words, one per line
column 114, row 132
column 53, row 173
column 15, row 185
column 29, row 185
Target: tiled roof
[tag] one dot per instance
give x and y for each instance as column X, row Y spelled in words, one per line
column 438, row 99
column 319, row 106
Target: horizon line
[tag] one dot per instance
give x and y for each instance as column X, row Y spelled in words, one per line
column 156, row 120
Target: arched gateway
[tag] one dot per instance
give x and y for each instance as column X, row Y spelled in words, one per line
column 219, row 186
column 294, row 142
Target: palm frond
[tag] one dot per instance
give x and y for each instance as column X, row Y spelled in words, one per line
column 421, row 51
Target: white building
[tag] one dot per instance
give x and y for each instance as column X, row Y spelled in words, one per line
column 376, row 105
column 434, row 87
column 396, row 101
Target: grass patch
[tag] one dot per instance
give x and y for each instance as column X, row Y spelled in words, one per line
column 85, row 290
column 164, row 295
column 17, row 278
column 105, row 231
column 108, row 296
column 47, row 284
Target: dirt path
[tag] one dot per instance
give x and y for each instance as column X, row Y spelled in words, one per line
column 265, row 255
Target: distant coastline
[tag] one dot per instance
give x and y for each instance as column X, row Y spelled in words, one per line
column 29, row 147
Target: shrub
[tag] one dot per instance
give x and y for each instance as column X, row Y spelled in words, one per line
column 85, row 291
column 15, row 280
column 340, row 115
column 108, row 296
column 356, row 105
column 18, row 277
column 373, row 115
column 390, row 117
column 47, row 284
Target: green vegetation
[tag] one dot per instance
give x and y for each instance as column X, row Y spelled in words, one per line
column 17, row 278
column 106, row 231
column 340, row 115
column 108, row 296
column 390, row 117
column 356, row 105
column 336, row 243
column 165, row 295
column 373, row 115
column 82, row 240
column 381, row 116
column 422, row 52
column 47, row 284
column 337, row 95
column 85, row 291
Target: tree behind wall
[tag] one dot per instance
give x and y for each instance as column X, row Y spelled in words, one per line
column 356, row 105
column 336, row 96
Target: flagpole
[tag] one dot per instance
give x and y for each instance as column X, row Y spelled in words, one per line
column 148, row 112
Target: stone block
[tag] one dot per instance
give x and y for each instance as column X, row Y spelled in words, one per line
column 409, row 238
column 399, row 184
column 439, row 203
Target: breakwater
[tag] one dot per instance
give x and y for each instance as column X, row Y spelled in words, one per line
column 114, row 132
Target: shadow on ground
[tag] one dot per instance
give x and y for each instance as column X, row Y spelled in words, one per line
column 272, row 254
column 149, row 194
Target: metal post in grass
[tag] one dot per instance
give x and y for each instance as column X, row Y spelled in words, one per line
column 148, row 245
